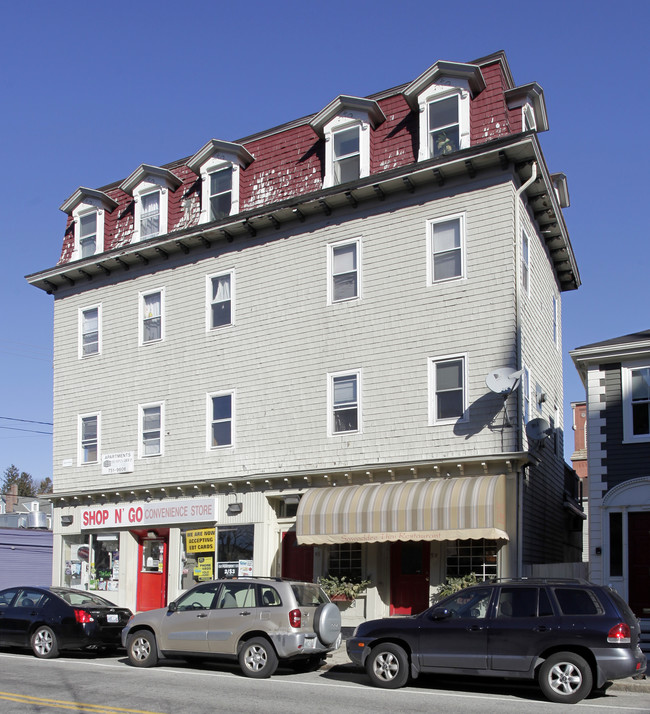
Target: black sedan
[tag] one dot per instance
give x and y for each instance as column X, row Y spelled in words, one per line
column 50, row 619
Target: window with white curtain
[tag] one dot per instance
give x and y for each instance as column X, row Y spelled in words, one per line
column 150, row 215
column 220, row 300
column 151, row 314
column 344, row 271
column 151, row 430
column 89, row 320
column 446, row 243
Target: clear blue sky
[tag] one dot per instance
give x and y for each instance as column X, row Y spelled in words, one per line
column 92, row 90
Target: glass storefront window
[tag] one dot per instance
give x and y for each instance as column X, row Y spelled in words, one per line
column 235, row 551
column 92, row 561
column 472, row 556
column 76, row 558
column 197, row 556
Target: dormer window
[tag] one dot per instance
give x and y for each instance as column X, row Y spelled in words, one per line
column 150, row 187
column 346, row 125
column 88, row 209
column 219, row 164
column 346, row 156
column 442, row 96
column 529, row 98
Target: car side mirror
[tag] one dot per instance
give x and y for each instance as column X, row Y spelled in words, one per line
column 440, row 613
column 172, row 607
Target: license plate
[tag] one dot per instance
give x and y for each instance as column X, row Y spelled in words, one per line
column 112, row 618
column 310, row 643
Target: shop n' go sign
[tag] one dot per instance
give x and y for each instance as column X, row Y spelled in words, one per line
column 140, row 513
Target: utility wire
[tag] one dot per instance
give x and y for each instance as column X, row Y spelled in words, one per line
column 27, row 421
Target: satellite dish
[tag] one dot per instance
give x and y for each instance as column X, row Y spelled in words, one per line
column 503, row 380
column 538, row 429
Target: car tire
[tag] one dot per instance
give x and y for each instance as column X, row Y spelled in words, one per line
column 257, row 658
column 141, row 649
column 327, row 623
column 44, row 643
column 388, row 666
column 566, row 678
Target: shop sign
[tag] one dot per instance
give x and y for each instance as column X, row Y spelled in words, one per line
column 141, row 513
column 235, row 569
column 121, row 462
column 203, row 570
column 199, row 541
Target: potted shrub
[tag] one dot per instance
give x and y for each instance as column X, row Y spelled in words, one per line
column 345, row 588
column 453, row 585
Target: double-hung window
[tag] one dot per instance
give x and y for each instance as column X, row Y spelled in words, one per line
column 89, row 329
column 88, row 438
column 220, row 300
column 220, row 420
column 88, row 234
column 446, row 248
column 525, row 392
column 525, row 262
column 346, row 155
column 345, row 405
column 636, row 401
column 448, row 392
column 556, row 336
column 220, row 193
column 150, row 215
column 151, row 430
column 151, row 317
column 344, row 271
column 443, row 126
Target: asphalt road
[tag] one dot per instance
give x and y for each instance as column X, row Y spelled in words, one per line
column 87, row 684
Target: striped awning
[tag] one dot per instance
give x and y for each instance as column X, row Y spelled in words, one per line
column 468, row 507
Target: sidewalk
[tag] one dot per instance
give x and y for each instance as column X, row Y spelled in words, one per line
column 339, row 658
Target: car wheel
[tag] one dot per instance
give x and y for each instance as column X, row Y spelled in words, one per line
column 44, row 644
column 388, row 666
column 565, row 677
column 141, row 648
column 257, row 658
column 327, row 623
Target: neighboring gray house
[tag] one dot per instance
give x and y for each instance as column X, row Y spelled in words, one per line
column 271, row 356
column 616, row 375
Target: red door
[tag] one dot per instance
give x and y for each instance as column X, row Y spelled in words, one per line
column 152, row 576
column 297, row 560
column 409, row 577
column 638, row 549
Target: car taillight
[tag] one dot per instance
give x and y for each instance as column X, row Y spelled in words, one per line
column 83, row 616
column 619, row 634
column 295, row 618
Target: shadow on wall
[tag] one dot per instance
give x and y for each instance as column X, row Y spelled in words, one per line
column 489, row 411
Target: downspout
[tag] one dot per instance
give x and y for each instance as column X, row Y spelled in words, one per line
column 520, row 362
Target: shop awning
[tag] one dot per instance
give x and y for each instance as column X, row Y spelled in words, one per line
column 468, row 507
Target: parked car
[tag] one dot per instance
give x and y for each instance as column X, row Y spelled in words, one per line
column 568, row 635
column 51, row 619
column 257, row 621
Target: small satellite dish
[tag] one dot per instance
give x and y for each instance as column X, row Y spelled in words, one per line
column 503, row 380
column 538, row 429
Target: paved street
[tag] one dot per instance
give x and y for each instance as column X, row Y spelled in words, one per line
column 107, row 685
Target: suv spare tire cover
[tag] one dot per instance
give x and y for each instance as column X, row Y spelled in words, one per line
column 327, row 622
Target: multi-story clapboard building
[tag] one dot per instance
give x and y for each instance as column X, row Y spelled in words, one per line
column 271, row 356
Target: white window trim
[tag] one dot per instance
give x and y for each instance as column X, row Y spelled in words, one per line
column 438, row 91
column 208, row 300
column 217, row 162
column 526, row 289
column 208, row 413
column 431, row 365
column 80, row 315
column 151, row 185
column 347, row 120
column 556, row 321
column 463, row 267
column 526, row 394
column 80, row 418
column 141, row 296
column 141, row 408
column 528, row 116
column 330, row 270
column 89, row 205
column 626, row 388
column 330, row 402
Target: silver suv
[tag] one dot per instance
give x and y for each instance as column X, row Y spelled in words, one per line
column 258, row 621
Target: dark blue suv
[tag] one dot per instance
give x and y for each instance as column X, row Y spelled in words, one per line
column 571, row 636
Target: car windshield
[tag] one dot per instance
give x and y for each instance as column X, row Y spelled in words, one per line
column 309, row 594
column 82, row 598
